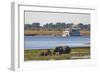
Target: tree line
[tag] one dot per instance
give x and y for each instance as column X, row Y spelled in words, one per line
column 56, row 27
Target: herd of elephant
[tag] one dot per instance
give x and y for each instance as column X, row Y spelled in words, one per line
column 57, row 51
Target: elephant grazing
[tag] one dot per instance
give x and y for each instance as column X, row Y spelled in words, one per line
column 62, row 50
column 58, row 50
column 66, row 49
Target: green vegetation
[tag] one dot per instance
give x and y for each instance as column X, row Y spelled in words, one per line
column 58, row 26
column 76, row 53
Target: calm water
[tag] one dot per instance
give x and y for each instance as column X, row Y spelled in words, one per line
column 45, row 42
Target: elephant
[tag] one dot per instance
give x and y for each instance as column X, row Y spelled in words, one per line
column 45, row 53
column 62, row 50
column 66, row 50
column 58, row 50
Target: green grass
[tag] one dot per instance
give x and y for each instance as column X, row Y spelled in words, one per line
column 75, row 52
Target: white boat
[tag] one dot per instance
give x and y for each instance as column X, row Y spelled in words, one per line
column 66, row 33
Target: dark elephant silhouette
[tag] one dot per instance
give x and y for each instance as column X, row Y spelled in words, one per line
column 58, row 50
column 62, row 50
column 67, row 50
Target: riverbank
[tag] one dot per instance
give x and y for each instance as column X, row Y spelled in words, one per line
column 76, row 53
column 52, row 33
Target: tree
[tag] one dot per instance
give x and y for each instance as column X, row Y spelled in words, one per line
column 69, row 25
column 35, row 26
column 81, row 26
column 27, row 27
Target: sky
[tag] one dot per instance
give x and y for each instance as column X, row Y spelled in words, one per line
column 54, row 17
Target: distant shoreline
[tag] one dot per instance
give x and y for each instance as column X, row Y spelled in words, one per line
column 51, row 33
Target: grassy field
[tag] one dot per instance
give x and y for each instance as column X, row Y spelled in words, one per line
column 76, row 53
column 53, row 33
column 86, row 33
column 30, row 32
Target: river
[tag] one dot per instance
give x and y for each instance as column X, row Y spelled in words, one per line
column 46, row 42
